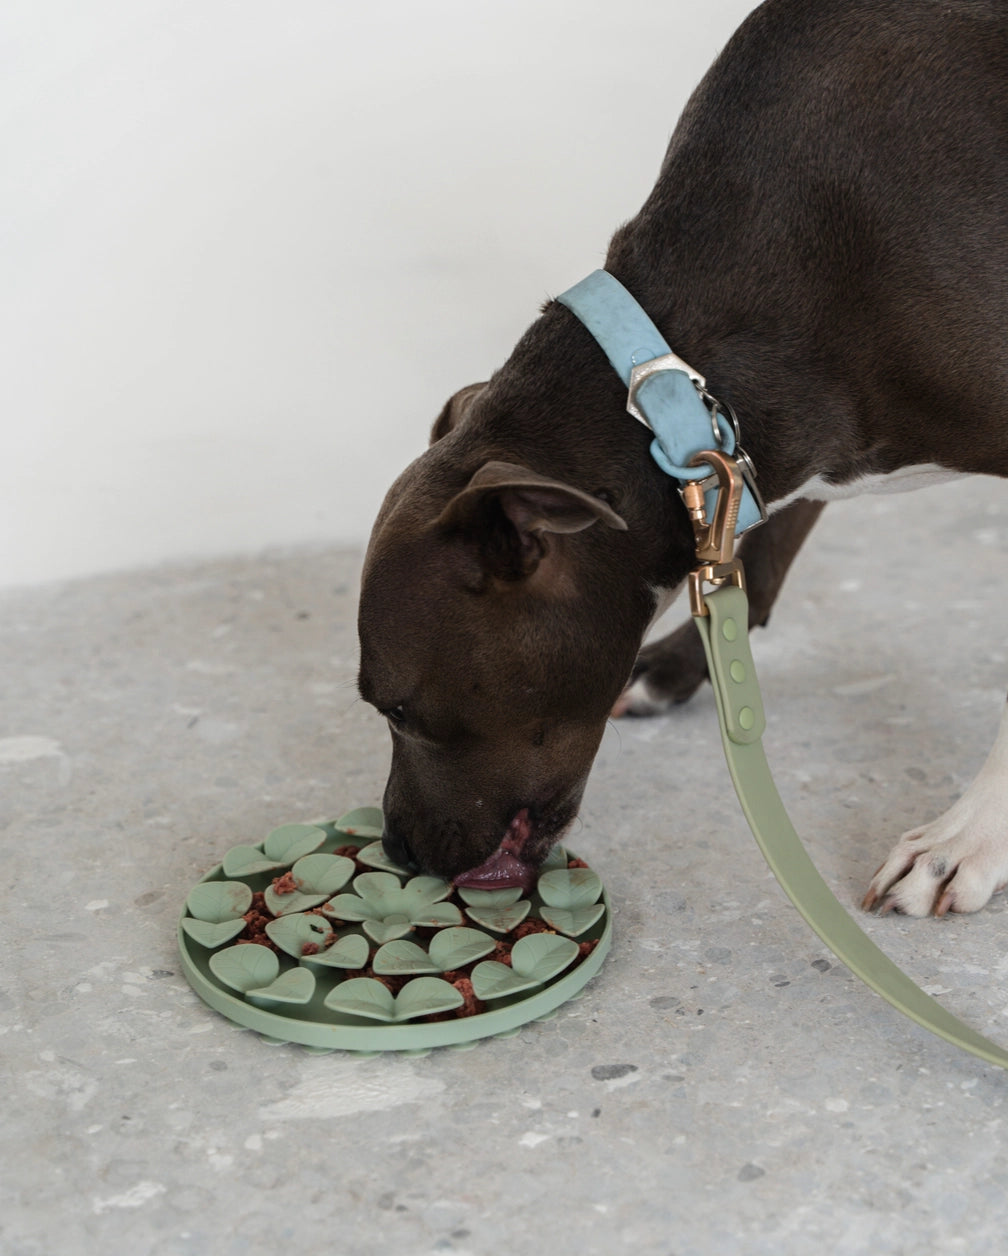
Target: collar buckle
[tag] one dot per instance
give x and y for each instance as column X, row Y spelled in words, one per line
column 642, row 371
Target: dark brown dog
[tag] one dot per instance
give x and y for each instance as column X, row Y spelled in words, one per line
column 828, row 243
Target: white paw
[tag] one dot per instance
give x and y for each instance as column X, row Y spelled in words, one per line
column 940, row 868
column 955, row 863
column 959, row 860
column 638, row 698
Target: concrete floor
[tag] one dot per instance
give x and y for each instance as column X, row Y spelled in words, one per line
column 722, row 1087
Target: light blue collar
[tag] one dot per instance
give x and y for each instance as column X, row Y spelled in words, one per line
column 665, row 394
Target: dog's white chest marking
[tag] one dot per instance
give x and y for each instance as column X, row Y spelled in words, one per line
column 904, row 480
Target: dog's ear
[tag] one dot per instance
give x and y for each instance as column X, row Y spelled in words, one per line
column 510, row 512
column 455, row 410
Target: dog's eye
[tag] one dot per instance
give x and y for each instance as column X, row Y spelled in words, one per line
column 396, row 716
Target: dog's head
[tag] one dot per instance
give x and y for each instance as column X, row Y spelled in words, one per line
column 497, row 629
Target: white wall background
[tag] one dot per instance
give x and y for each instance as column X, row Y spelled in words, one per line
column 249, row 246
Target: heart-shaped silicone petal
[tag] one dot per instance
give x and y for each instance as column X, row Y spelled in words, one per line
column 283, row 846
column 351, row 951
column 290, row 841
column 423, row 890
column 500, row 919
column 350, row 907
column 246, row 861
column 388, row 930
column 490, row 898
column 361, row 822
column 293, row 933
column 211, row 933
column 535, row 960
column 219, row 900
column 570, row 887
column 374, row 856
column 381, row 889
column 426, row 996
column 363, row 996
column 402, row 957
column 437, row 916
column 491, row 980
column 542, row 956
column 295, row 986
column 572, row 921
column 285, row 904
column 455, row 948
column 245, row 967
column 321, row 873
column 316, row 878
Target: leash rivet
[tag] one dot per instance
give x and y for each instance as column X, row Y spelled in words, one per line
column 746, row 718
column 737, row 672
column 729, row 630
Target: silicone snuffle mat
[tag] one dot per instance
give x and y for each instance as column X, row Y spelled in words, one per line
column 315, row 937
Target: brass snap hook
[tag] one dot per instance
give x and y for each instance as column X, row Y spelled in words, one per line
column 715, row 537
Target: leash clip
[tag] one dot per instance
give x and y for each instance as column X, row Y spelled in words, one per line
column 715, row 537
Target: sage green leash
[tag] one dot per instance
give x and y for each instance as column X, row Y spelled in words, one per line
column 718, row 490
column 725, row 634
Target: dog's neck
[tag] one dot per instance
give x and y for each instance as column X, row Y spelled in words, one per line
column 561, row 408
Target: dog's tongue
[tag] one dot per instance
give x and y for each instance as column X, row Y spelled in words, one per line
column 505, row 867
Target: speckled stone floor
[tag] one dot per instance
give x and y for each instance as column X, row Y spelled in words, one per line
column 724, row 1086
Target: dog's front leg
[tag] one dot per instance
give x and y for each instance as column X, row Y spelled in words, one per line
column 672, row 669
column 959, row 860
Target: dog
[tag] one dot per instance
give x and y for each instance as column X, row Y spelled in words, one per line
column 827, row 242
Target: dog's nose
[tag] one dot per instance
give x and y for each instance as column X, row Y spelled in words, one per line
column 398, row 849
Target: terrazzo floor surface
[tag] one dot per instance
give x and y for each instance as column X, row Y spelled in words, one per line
column 724, row 1086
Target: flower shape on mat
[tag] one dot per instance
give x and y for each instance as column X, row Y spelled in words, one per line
column 388, row 909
